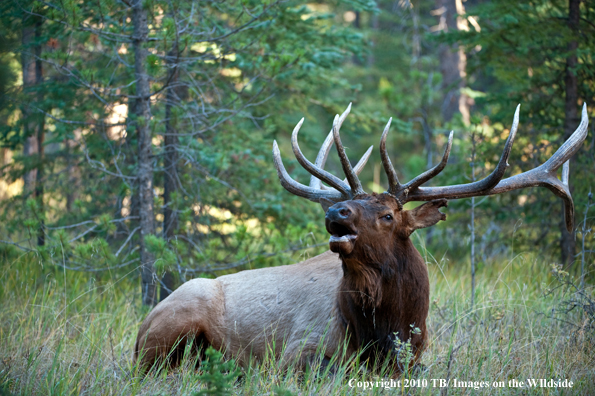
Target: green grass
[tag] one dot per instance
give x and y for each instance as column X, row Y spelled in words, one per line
column 63, row 332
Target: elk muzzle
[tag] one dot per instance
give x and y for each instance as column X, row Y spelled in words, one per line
column 339, row 221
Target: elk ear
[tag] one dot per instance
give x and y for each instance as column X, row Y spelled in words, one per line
column 325, row 203
column 423, row 216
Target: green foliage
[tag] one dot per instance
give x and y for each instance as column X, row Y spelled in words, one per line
column 278, row 391
column 105, row 222
column 404, row 351
column 164, row 257
column 217, row 376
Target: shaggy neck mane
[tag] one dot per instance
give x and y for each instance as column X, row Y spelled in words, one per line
column 364, row 274
column 381, row 296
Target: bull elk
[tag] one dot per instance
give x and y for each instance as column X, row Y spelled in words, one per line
column 371, row 287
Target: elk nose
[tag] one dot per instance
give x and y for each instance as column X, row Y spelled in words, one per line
column 338, row 212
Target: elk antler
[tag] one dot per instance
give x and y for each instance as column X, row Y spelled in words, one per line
column 341, row 190
column 544, row 175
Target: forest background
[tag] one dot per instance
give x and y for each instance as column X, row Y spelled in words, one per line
column 136, row 135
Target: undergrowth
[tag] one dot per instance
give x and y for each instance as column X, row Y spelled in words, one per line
column 64, row 332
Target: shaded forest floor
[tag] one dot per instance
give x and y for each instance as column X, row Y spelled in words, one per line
column 63, row 332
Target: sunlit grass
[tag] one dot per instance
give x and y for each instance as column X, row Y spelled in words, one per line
column 66, row 333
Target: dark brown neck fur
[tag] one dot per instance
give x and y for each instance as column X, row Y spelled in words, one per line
column 381, row 296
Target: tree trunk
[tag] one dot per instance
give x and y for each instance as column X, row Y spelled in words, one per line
column 131, row 147
column 40, row 136
column 145, row 168
column 33, row 122
column 29, row 79
column 571, row 120
column 73, row 170
column 170, row 185
column 453, row 61
column 473, row 158
column 374, row 27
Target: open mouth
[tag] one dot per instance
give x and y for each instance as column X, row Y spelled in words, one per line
column 342, row 238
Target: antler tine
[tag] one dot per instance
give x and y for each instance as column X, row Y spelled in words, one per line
column 297, row 188
column 321, row 159
column 393, row 181
column 429, row 174
column 356, row 185
column 357, row 168
column 494, row 178
column 570, row 147
column 363, row 161
column 566, row 173
column 567, row 198
column 314, row 170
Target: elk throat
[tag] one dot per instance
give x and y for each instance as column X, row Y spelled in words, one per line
column 380, row 301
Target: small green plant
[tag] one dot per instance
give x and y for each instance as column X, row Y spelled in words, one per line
column 217, row 375
column 278, row 391
column 404, row 350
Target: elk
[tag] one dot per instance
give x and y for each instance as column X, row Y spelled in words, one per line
column 371, row 287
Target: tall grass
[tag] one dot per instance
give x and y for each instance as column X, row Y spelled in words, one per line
column 63, row 332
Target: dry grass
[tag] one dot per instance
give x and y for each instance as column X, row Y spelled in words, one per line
column 64, row 333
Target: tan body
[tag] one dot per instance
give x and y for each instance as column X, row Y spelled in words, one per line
column 290, row 307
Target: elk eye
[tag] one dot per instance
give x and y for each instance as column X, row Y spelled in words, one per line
column 388, row 217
